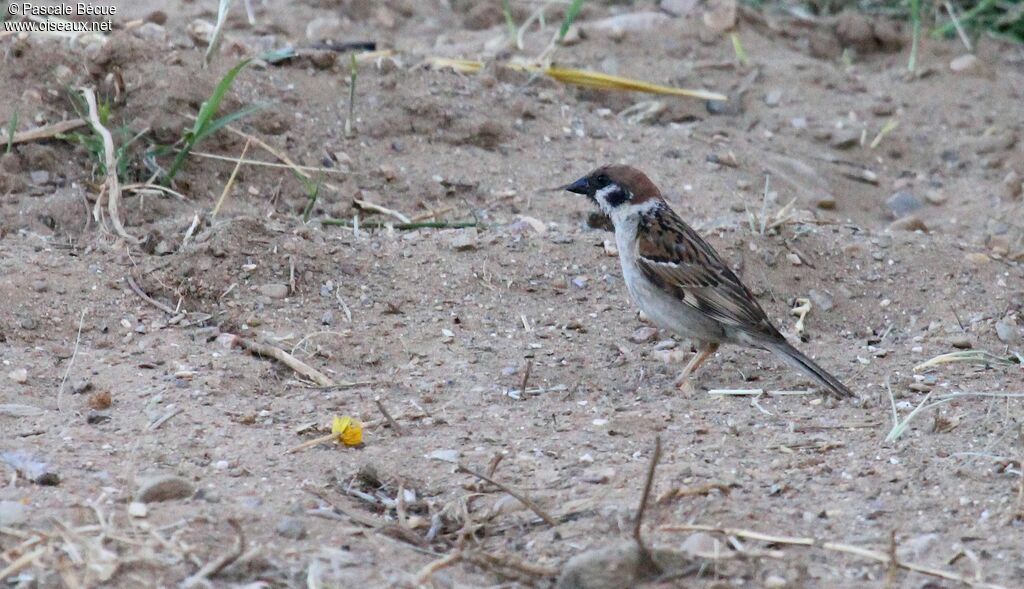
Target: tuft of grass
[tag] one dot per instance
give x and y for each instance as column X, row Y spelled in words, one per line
column 12, row 126
column 93, row 141
column 205, row 123
column 570, row 16
column 312, row 194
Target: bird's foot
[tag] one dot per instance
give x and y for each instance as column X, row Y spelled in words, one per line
column 684, row 384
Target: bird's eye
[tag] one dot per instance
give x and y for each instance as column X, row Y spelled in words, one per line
column 603, row 180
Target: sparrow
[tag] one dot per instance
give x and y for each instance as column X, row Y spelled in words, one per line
column 680, row 281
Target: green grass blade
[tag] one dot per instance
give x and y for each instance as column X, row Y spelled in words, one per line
column 570, row 16
column 12, row 126
column 225, row 120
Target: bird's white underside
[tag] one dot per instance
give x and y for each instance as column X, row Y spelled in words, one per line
column 663, row 309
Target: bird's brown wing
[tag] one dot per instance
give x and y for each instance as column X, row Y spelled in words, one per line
column 675, row 258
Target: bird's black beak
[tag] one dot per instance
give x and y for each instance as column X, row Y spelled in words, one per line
column 581, row 186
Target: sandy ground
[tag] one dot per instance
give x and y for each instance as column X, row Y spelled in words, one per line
column 106, row 395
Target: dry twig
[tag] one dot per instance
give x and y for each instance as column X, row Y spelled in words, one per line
column 513, row 492
column 875, row 555
column 218, row 564
column 269, row 351
column 47, row 131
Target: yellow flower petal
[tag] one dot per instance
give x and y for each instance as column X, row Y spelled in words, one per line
column 353, row 434
column 347, row 430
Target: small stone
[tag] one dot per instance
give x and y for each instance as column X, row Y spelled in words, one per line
column 464, row 240
column 444, row 455
column 775, row 582
column 977, row 259
column 610, row 249
column 918, row 547
column 447, row 336
column 163, row 488
column 292, row 528
column 902, row 204
column 630, row 22
column 965, row 63
column 201, row 31
column 598, row 476
column 773, row 97
column 1006, row 331
column 1012, row 185
column 39, row 177
column 825, row 202
column 845, row 139
column 580, row 282
column 18, row 375
column 794, row 259
column 47, row 479
column 702, row 544
column 151, row 31
column 324, row 29
column 936, row 197
column 644, row 335
column 572, row 36
column 821, row 299
column 157, row 16
column 720, row 16
column 960, row 342
column 274, row 291
column 136, row 509
column 908, row 223
column 12, row 513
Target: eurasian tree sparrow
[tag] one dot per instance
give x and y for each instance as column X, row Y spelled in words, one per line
column 679, row 281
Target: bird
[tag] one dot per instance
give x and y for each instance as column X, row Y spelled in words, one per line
column 679, row 281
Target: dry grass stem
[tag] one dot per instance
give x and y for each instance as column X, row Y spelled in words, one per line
column 261, row 163
column 112, row 184
column 71, row 362
column 142, row 295
column 875, row 555
column 365, row 205
column 387, row 415
column 47, row 131
column 428, row 571
column 217, row 565
column 230, row 182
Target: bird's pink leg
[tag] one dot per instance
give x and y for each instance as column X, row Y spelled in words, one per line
column 705, row 351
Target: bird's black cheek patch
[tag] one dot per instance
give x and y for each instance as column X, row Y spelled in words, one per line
column 616, row 197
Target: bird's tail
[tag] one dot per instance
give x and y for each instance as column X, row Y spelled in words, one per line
column 796, row 359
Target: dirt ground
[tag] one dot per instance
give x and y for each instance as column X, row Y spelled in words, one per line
column 908, row 245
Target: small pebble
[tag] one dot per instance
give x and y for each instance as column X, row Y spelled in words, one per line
column 163, row 488
column 821, row 299
column 137, row 509
column 274, row 291
column 444, row 455
column 960, row 342
column 1006, row 331
column 902, row 204
column 18, row 375
column 292, row 528
column 845, row 139
column 965, row 63
column 464, row 240
column 12, row 513
column 644, row 335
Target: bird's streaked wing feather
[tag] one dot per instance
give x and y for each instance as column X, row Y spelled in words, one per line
column 674, row 257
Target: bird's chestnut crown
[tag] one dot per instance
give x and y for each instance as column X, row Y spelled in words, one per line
column 612, row 186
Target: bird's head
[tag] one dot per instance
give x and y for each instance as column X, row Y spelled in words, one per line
column 616, row 189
